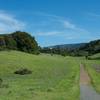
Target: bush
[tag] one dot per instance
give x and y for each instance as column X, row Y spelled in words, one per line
column 50, row 89
column 23, row 71
column 1, row 81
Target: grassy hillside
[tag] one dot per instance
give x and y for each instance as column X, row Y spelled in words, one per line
column 52, row 78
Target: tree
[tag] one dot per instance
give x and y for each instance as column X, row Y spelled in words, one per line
column 20, row 41
column 25, row 42
column 2, row 43
column 10, row 42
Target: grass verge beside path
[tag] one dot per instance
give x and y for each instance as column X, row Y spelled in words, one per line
column 95, row 76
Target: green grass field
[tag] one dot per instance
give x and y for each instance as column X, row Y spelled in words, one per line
column 53, row 77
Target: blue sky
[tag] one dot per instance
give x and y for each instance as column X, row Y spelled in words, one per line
column 52, row 21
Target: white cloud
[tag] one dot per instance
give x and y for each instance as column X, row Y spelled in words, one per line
column 49, row 33
column 69, row 25
column 58, row 19
column 59, row 22
column 9, row 23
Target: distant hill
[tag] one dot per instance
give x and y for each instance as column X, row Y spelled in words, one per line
column 69, row 46
column 79, row 49
column 21, row 41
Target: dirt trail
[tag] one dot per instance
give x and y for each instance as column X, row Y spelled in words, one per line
column 84, row 77
column 87, row 92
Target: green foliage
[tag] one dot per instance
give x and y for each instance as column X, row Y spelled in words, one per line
column 23, row 71
column 1, row 81
column 92, row 47
column 59, row 51
column 19, row 41
column 25, row 42
column 10, row 42
column 2, row 43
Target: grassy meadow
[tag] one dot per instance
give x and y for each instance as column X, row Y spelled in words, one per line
column 53, row 77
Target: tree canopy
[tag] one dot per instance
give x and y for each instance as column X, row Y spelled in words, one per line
column 18, row 40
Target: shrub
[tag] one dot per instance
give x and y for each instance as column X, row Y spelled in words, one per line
column 23, row 71
column 1, row 81
column 50, row 89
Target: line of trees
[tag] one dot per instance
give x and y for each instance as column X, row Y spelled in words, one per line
column 88, row 49
column 23, row 41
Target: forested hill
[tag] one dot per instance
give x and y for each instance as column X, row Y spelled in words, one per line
column 79, row 49
column 18, row 40
column 92, row 47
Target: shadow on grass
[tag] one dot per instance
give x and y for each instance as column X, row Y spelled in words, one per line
column 96, row 58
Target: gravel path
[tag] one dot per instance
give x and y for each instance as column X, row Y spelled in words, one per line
column 87, row 92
